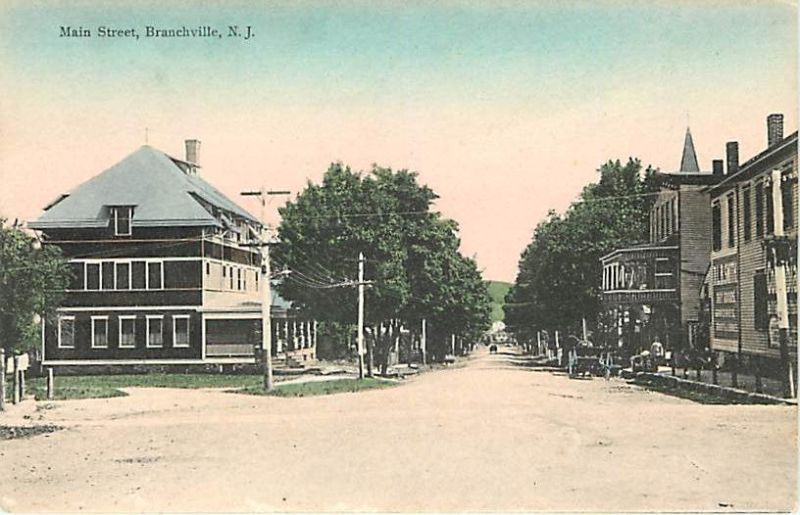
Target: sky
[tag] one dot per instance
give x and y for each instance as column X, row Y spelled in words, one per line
column 505, row 109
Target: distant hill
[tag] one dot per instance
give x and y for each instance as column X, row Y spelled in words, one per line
column 497, row 291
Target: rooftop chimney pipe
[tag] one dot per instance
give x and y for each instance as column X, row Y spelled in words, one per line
column 732, row 153
column 193, row 151
column 774, row 129
column 718, row 167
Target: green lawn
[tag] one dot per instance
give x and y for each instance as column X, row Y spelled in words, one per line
column 497, row 291
column 100, row 386
column 320, row 387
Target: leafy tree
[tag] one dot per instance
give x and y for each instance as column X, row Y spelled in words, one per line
column 560, row 273
column 412, row 256
column 32, row 280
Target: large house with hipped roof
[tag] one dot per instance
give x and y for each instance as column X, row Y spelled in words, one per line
column 162, row 271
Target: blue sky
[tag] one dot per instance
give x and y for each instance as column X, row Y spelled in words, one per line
column 489, row 101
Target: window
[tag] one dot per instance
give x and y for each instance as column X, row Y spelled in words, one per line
column 731, row 221
column 760, row 297
column 675, row 214
column 760, row 209
column 78, row 278
column 238, row 278
column 123, row 276
column 66, row 332
column 716, row 226
column 154, row 276
column 138, row 275
column 747, row 214
column 92, row 276
column 127, row 332
column 155, row 331
column 230, row 277
column 180, row 331
column 108, row 275
column 208, row 268
column 257, row 274
column 121, row 217
column 99, row 332
column 787, row 199
column 770, row 214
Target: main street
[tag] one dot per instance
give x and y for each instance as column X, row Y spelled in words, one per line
column 491, row 435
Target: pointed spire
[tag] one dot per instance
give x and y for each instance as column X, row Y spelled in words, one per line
column 689, row 158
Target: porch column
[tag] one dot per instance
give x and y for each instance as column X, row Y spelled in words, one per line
column 276, row 330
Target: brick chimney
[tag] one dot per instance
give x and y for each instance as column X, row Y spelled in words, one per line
column 192, row 152
column 732, row 153
column 718, row 167
column 774, row 129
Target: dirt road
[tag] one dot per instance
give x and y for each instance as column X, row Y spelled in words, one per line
column 488, row 436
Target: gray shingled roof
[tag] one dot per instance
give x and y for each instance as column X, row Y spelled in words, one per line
column 162, row 193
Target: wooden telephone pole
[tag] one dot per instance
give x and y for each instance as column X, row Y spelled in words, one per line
column 266, row 300
column 361, row 315
column 780, row 255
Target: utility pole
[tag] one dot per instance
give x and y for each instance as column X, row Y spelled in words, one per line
column 780, row 256
column 423, row 342
column 361, row 315
column 266, row 300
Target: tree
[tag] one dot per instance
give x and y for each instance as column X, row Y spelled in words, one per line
column 559, row 278
column 412, row 256
column 32, row 281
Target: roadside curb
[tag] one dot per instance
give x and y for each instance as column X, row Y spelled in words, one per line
column 733, row 394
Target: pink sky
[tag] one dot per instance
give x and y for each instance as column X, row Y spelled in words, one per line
column 499, row 150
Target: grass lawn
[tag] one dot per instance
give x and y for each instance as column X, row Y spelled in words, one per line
column 99, row 386
column 320, row 387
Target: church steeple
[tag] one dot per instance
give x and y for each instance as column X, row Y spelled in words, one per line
column 689, row 158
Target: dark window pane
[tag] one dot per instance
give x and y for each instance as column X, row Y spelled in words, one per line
column 154, row 276
column 155, row 335
column 181, row 331
column 67, row 334
column 100, row 335
column 716, row 226
column 127, row 332
column 77, row 271
column 138, row 272
column 108, row 275
column 731, row 221
column 788, row 204
column 746, row 214
column 123, row 221
column 760, row 300
column 123, row 269
column 92, row 276
column 759, row 209
column 770, row 214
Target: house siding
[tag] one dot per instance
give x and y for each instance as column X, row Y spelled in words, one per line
column 750, row 257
